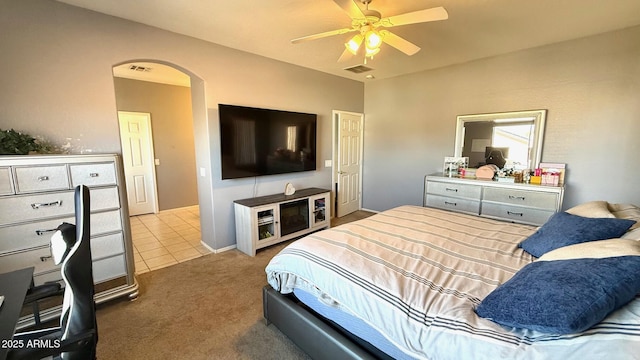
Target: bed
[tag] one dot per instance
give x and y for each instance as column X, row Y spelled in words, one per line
column 406, row 284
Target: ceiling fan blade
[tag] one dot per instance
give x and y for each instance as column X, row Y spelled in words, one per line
column 351, row 8
column 426, row 15
column 399, row 43
column 322, row 35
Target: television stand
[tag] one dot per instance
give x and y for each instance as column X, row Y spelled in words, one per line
column 268, row 220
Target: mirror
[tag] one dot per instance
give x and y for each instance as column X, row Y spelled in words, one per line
column 509, row 139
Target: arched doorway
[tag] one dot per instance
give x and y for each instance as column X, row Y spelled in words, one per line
column 156, row 131
column 194, row 135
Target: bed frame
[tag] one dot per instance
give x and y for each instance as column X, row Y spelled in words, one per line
column 318, row 337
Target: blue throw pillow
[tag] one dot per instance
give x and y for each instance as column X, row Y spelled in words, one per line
column 563, row 296
column 566, row 229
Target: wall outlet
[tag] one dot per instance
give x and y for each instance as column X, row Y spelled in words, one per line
column 327, row 163
column 157, row 162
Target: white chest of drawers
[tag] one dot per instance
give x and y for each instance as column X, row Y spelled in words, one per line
column 37, row 195
column 522, row 203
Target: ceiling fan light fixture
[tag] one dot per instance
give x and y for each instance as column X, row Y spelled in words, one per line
column 354, row 44
column 372, row 40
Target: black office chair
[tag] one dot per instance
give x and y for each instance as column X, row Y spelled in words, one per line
column 37, row 293
column 77, row 336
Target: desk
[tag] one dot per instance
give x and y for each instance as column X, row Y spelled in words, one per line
column 13, row 286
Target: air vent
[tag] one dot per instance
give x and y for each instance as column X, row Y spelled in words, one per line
column 139, row 68
column 358, row 69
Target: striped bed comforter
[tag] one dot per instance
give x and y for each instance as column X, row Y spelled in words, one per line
column 416, row 274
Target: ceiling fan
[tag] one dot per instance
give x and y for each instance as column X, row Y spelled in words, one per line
column 370, row 28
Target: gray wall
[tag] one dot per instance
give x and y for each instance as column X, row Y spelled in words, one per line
column 173, row 138
column 589, row 86
column 58, row 83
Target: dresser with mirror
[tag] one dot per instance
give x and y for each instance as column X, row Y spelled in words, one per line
column 517, row 137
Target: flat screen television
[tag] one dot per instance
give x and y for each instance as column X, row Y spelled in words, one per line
column 257, row 142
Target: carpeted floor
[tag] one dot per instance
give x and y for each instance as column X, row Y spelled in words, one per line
column 206, row 308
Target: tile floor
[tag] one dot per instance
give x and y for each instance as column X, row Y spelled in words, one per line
column 166, row 238
column 173, row 236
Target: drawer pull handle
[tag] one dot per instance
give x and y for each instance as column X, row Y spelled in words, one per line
column 451, row 189
column 45, row 258
column 516, row 197
column 43, row 178
column 450, row 203
column 514, row 213
column 39, row 205
column 43, row 232
column 94, row 175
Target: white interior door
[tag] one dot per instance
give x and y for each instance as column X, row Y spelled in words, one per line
column 349, row 162
column 138, row 159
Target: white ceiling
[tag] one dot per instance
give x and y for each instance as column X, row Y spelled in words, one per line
column 475, row 28
column 153, row 72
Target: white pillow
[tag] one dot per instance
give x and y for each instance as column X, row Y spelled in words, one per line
column 592, row 209
column 632, row 235
column 626, row 211
column 594, row 250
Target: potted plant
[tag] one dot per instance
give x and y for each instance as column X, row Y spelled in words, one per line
column 16, row 143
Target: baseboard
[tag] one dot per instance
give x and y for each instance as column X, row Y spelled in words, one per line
column 373, row 211
column 217, row 251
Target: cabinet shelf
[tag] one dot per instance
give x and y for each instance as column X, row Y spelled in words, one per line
column 265, row 220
